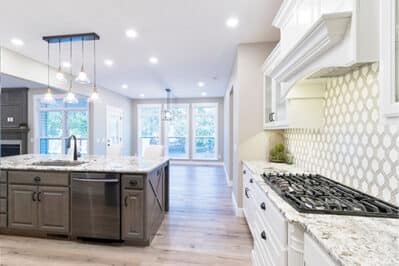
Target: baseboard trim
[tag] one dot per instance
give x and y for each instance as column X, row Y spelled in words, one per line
column 229, row 183
column 238, row 211
column 204, row 163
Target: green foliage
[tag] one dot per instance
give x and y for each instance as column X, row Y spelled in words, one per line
column 278, row 153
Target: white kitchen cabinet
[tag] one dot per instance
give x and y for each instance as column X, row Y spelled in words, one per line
column 319, row 39
column 314, row 255
column 389, row 60
column 276, row 242
column 303, row 107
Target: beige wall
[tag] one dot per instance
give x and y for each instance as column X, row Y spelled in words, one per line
column 250, row 141
column 135, row 102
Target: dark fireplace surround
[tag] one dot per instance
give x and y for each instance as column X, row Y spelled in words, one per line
column 14, row 118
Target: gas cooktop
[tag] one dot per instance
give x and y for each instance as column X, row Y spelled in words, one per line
column 311, row 193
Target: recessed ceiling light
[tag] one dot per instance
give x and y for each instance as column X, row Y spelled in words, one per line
column 153, row 60
column 17, row 42
column 200, row 84
column 108, row 62
column 125, row 86
column 66, row 64
column 141, row 95
column 232, row 22
column 203, row 93
column 131, row 33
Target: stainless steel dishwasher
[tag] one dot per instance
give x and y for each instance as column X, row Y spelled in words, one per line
column 96, row 206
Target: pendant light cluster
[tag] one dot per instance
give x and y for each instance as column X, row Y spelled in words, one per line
column 82, row 77
column 167, row 114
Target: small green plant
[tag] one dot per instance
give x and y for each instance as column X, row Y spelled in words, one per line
column 277, row 154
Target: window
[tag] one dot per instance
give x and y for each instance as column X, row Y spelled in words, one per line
column 205, row 123
column 149, row 126
column 60, row 120
column 177, row 132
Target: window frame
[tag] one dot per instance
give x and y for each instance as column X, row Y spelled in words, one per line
column 193, row 135
column 187, row 136
column 139, row 123
column 64, row 111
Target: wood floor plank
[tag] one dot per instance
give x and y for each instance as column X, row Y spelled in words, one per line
column 200, row 229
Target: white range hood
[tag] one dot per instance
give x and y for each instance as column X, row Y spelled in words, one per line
column 333, row 44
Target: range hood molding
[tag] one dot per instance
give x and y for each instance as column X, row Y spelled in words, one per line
column 328, row 30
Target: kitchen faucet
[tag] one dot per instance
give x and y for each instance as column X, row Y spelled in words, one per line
column 75, row 152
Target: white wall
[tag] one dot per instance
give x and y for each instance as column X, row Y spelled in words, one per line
column 249, row 138
column 19, row 66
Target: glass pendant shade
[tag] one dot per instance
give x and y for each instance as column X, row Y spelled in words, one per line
column 48, row 97
column 167, row 115
column 94, row 97
column 60, row 76
column 70, row 97
column 82, row 77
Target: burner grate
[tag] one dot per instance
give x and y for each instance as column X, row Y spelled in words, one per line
column 312, row 193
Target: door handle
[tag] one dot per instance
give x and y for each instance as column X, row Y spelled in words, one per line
column 33, row 196
column 38, row 196
column 125, row 201
column 246, row 192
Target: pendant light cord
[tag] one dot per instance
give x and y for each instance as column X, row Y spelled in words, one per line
column 94, row 70
column 48, row 66
column 83, row 54
column 59, row 54
column 70, row 59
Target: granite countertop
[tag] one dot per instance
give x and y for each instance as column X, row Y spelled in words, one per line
column 123, row 164
column 349, row 240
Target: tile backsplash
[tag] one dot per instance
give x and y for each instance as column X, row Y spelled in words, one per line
column 353, row 147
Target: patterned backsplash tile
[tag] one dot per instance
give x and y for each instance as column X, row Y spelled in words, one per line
column 353, row 147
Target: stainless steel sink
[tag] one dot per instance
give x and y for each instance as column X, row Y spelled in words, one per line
column 58, row 163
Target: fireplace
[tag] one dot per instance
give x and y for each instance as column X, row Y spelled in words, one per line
column 11, row 147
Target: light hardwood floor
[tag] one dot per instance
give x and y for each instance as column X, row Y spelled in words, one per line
column 200, row 229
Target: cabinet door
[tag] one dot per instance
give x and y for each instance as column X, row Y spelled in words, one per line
column 133, row 214
column 53, row 210
column 22, row 207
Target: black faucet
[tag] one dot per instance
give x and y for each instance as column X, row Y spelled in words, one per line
column 75, row 150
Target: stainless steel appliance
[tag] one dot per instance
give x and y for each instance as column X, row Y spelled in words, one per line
column 312, row 193
column 96, row 206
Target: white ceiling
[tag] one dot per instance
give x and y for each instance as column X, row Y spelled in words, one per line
column 188, row 36
column 7, row 81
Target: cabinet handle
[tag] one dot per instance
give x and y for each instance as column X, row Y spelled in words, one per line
column 38, row 196
column 246, row 192
column 251, row 180
column 263, row 235
column 33, row 196
column 244, row 172
column 263, row 206
column 125, row 200
column 133, row 182
column 37, row 179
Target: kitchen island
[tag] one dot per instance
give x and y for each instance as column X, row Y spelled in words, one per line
column 122, row 199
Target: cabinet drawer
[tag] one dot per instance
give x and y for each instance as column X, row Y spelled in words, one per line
column 3, row 190
column 39, row 178
column 133, row 181
column 3, row 220
column 3, row 205
column 3, row 176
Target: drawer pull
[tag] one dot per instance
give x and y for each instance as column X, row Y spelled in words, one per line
column 133, row 182
column 38, row 196
column 251, row 180
column 263, row 206
column 33, row 196
column 246, row 192
column 37, row 179
column 263, row 235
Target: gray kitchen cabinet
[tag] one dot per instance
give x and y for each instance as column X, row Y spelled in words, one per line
column 3, row 199
column 53, row 209
column 22, row 207
column 14, row 102
column 133, row 214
